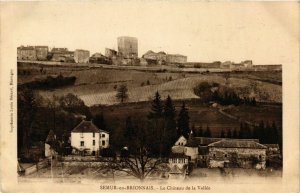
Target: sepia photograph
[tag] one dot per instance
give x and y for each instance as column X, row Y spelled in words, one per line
column 162, row 95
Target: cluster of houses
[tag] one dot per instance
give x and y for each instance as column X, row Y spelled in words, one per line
column 87, row 139
column 219, row 153
column 127, row 55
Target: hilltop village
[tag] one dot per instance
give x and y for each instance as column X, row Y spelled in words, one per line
column 156, row 116
column 127, row 55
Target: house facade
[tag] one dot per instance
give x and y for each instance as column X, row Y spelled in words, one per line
column 41, row 52
column 81, row 56
column 87, row 139
column 176, row 58
column 237, row 153
column 26, row 53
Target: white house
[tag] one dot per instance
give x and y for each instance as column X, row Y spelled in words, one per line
column 49, row 143
column 178, row 164
column 86, row 138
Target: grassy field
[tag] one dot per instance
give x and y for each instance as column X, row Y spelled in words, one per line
column 98, row 85
column 97, row 88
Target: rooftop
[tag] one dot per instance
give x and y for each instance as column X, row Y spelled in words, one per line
column 86, row 127
column 237, row 143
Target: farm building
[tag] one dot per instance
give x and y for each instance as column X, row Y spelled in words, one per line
column 128, row 47
column 207, row 152
column 87, row 139
column 81, row 56
column 176, row 58
column 237, row 153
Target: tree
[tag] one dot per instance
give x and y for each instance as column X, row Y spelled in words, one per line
column 156, row 107
column 129, row 129
column 183, row 121
column 122, row 93
column 229, row 135
column 99, row 121
column 28, row 104
column 207, row 132
column 74, row 104
column 139, row 161
column 235, row 134
column 170, row 123
column 200, row 132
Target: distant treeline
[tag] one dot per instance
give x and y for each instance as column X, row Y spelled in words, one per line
column 50, row 82
column 223, row 95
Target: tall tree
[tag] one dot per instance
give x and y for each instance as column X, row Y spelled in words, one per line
column 235, row 134
column 129, row 129
column 170, row 134
column 183, row 121
column 140, row 161
column 222, row 133
column 122, row 93
column 207, row 132
column 28, row 104
column 99, row 121
column 229, row 134
column 200, row 132
column 157, row 108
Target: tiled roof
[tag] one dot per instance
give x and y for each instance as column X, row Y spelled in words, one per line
column 178, row 155
column 237, row 143
column 86, row 127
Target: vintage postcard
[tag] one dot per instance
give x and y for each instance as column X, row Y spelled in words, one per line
column 149, row 96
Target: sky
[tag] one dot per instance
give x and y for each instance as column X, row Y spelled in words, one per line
column 266, row 33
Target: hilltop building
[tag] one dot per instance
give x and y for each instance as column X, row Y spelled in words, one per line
column 110, row 53
column 81, row 56
column 62, row 55
column 176, row 59
column 98, row 58
column 26, row 53
column 88, row 139
column 128, row 47
column 155, row 58
column 41, row 52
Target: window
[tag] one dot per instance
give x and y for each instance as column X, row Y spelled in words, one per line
column 225, row 155
column 214, row 155
column 93, row 142
column 93, row 134
column 103, row 143
column 81, row 143
column 103, row 135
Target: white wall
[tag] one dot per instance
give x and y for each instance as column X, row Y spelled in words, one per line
column 88, row 138
column 181, row 141
column 103, row 137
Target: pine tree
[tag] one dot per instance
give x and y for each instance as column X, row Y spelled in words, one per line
column 229, row 135
column 129, row 129
column 183, row 121
column 99, row 121
column 156, row 108
column 122, row 93
column 235, row 134
column 222, row 134
column 207, row 132
column 200, row 132
column 169, row 113
column 274, row 134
